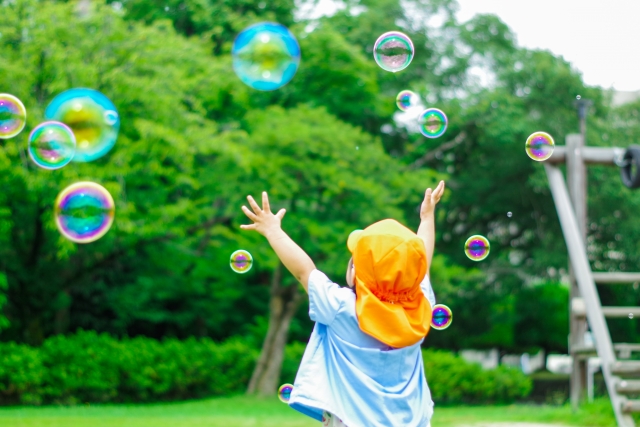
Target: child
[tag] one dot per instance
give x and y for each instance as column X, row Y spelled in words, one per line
column 363, row 365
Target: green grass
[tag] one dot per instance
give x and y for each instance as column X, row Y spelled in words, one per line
column 242, row 411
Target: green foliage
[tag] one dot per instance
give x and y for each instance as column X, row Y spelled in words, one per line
column 545, row 323
column 90, row 367
column 21, row 374
column 453, row 380
column 4, row 285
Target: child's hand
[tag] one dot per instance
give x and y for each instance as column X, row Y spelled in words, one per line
column 430, row 200
column 264, row 222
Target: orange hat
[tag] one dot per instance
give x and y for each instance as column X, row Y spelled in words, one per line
column 390, row 262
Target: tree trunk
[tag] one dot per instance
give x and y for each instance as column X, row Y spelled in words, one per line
column 284, row 301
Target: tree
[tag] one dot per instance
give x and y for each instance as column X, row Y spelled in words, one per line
column 168, row 207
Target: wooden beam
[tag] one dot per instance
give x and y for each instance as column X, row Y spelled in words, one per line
column 621, row 312
column 617, row 277
column 610, row 312
column 630, row 367
column 590, row 155
column 628, row 387
column 631, row 406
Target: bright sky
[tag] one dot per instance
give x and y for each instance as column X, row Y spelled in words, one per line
column 600, row 38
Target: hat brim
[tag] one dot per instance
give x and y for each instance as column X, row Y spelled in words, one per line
column 352, row 241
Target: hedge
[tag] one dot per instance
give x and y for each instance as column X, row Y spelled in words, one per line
column 97, row 368
column 91, row 367
column 453, row 380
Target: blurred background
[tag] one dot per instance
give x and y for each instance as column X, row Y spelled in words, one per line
column 152, row 311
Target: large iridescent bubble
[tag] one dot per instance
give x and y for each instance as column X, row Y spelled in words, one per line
column 91, row 116
column 266, row 56
column 539, row 146
column 52, row 145
column 393, row 51
column 84, row 212
column 13, row 116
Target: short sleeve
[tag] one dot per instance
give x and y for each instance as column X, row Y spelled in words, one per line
column 325, row 298
column 427, row 290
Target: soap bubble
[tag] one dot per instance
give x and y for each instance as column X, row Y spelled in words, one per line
column 241, row 261
column 13, row 116
column 284, row 392
column 407, row 99
column 393, row 51
column 91, row 116
column 433, row 123
column 52, row 145
column 441, row 317
column 509, row 214
column 477, row 248
column 84, row 212
column 265, row 56
column 630, row 315
column 539, row 146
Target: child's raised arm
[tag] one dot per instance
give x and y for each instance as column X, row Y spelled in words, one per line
column 266, row 223
column 427, row 229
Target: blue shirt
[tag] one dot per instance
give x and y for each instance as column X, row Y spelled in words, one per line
column 354, row 376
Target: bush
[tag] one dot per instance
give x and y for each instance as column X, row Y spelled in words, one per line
column 91, row 367
column 454, row 380
column 88, row 367
column 21, row 374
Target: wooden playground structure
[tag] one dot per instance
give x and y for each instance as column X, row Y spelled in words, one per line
column 621, row 375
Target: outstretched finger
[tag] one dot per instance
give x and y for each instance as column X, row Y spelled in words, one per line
column 250, row 214
column 439, row 190
column 248, row 226
column 265, row 202
column 281, row 213
column 254, row 205
column 427, row 194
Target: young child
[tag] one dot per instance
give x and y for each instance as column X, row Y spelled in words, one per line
column 363, row 365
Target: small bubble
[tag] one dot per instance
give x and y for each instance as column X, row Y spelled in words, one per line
column 441, row 317
column 241, row 261
column 284, row 393
column 357, row 148
column 477, row 248
column 509, row 214
column 539, row 146
column 630, row 315
column 578, row 97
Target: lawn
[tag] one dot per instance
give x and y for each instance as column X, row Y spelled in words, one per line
column 242, row 411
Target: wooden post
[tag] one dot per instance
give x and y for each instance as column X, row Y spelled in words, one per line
column 577, row 183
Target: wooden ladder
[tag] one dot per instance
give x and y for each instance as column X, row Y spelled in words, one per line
column 618, row 373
